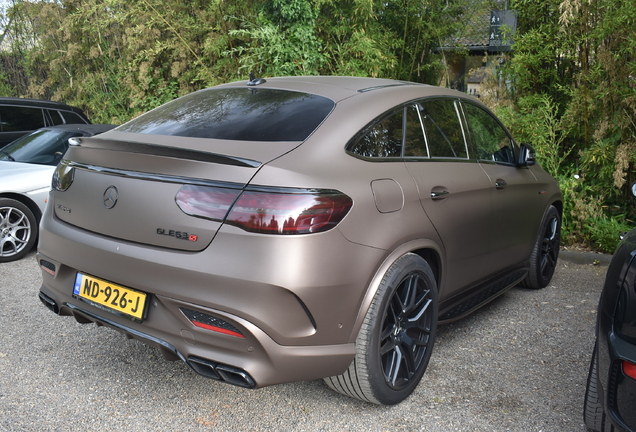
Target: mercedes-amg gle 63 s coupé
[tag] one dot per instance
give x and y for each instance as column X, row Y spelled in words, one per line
column 289, row 229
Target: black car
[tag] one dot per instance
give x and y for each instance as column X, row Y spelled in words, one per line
column 20, row 116
column 610, row 398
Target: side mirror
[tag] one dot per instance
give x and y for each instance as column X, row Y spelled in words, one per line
column 526, row 155
column 633, row 189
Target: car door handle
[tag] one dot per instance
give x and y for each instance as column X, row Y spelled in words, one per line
column 500, row 184
column 436, row 195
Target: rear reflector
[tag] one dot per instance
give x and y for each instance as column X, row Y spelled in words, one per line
column 267, row 210
column 629, row 369
column 212, row 323
column 217, row 329
column 48, row 267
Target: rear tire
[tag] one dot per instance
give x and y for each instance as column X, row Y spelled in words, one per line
column 18, row 230
column 396, row 340
column 593, row 414
column 545, row 254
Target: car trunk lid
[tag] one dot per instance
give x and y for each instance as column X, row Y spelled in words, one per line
column 127, row 189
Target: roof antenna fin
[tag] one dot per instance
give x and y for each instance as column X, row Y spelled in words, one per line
column 255, row 81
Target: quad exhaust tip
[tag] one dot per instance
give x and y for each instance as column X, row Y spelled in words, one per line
column 221, row 372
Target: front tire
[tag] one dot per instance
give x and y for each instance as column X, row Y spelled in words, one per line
column 545, row 254
column 396, row 340
column 18, row 230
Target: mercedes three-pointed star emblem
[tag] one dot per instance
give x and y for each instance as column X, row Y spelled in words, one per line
column 110, row 197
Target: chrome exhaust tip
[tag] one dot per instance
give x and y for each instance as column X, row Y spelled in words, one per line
column 221, row 372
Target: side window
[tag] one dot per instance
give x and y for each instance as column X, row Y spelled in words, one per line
column 384, row 139
column 414, row 141
column 56, row 118
column 442, row 128
column 491, row 140
column 15, row 119
column 71, row 117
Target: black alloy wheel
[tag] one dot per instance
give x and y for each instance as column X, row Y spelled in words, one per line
column 406, row 331
column 550, row 247
column 545, row 254
column 397, row 336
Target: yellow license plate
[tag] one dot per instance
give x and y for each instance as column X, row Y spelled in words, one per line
column 110, row 297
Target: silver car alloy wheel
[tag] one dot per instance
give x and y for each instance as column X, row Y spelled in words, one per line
column 15, row 231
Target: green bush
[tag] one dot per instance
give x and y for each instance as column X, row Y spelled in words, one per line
column 604, row 233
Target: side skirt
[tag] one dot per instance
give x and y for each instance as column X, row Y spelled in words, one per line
column 467, row 302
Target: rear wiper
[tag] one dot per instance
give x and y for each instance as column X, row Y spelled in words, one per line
column 8, row 155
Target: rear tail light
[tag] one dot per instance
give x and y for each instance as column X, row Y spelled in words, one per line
column 283, row 213
column 62, row 177
column 629, row 369
column 205, row 201
column 267, row 210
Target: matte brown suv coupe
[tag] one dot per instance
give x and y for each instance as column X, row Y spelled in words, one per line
column 298, row 228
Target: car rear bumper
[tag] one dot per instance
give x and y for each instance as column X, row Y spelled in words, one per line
column 294, row 302
column 252, row 362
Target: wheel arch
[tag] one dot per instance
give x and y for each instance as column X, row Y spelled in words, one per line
column 26, row 201
column 425, row 248
column 558, row 204
column 433, row 259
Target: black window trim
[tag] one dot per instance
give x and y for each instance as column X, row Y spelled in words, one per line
column 419, row 116
column 48, row 121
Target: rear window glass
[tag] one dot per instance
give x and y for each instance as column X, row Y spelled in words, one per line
column 244, row 114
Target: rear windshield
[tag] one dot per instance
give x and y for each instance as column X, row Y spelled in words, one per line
column 243, row 114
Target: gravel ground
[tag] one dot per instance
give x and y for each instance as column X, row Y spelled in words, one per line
column 519, row 364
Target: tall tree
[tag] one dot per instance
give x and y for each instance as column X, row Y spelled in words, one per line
column 573, row 66
column 118, row 58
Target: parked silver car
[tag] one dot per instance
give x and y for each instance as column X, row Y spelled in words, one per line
column 298, row 228
column 26, row 168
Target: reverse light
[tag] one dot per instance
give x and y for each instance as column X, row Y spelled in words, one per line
column 267, row 210
column 62, row 177
column 629, row 369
